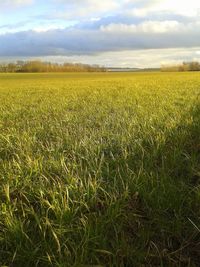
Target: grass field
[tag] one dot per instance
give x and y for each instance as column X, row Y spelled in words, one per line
column 100, row 170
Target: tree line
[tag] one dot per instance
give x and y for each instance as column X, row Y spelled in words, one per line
column 185, row 66
column 39, row 66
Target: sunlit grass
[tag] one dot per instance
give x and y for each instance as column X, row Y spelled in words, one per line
column 99, row 169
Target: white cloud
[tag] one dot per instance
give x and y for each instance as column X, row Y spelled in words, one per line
column 85, row 8
column 46, row 28
column 11, row 3
column 183, row 7
column 144, row 27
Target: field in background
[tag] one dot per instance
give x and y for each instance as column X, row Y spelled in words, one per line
column 100, row 169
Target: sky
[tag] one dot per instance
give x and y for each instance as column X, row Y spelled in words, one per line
column 111, row 33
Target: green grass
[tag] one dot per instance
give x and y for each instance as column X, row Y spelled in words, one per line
column 100, row 170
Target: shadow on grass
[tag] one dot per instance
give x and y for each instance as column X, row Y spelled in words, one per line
column 162, row 224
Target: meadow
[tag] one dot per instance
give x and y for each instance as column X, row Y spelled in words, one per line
column 100, row 169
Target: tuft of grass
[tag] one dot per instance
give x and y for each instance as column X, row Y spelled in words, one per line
column 99, row 169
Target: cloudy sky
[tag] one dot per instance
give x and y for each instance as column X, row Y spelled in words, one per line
column 121, row 33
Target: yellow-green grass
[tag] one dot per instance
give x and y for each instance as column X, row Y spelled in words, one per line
column 100, row 169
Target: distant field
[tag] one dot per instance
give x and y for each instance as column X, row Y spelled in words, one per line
column 100, row 170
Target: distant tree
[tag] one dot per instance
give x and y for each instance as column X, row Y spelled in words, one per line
column 185, row 66
column 194, row 66
column 11, row 67
column 39, row 66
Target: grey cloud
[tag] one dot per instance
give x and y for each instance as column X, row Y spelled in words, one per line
column 14, row 25
column 85, row 42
